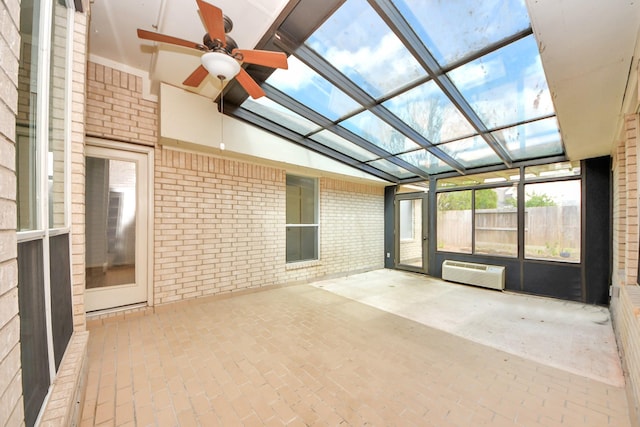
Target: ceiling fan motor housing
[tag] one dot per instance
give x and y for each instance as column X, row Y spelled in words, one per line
column 216, row 45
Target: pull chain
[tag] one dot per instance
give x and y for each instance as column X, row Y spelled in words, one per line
column 221, row 113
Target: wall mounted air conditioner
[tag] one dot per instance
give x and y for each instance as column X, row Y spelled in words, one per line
column 487, row 276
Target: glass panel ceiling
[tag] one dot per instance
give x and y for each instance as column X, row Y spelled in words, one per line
column 338, row 143
column 507, row 86
column 392, row 168
column 356, row 41
column 494, row 88
column 278, row 114
column 531, row 140
column 471, row 152
column 370, row 127
column 452, row 30
column 428, row 110
column 311, row 89
column 506, row 176
column 426, row 161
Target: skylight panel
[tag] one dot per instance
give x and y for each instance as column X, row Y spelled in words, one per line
column 426, row 161
column 392, row 169
column 471, row 152
column 483, row 102
column 370, row 127
column 453, row 30
column 338, row 143
column 531, row 140
column 357, row 42
column 275, row 112
column 427, row 110
column 507, row 86
column 309, row 88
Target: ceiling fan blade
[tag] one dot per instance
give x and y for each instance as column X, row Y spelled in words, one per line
column 213, row 20
column 249, row 84
column 263, row 57
column 157, row 37
column 198, row 75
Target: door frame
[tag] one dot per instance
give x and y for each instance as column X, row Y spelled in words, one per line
column 147, row 198
column 425, row 231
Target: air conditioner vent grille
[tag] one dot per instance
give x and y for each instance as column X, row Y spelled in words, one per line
column 488, row 276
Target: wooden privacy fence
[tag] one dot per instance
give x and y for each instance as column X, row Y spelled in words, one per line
column 548, row 227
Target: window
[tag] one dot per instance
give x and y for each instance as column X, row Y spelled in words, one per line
column 27, row 125
column 478, row 214
column 42, row 194
column 490, row 228
column 552, row 221
column 496, row 221
column 454, row 221
column 302, row 218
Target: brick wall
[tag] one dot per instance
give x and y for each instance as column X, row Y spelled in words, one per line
column 219, row 223
column 11, row 408
column 625, row 302
column 116, row 108
column 351, row 231
column 220, row 227
column 216, row 225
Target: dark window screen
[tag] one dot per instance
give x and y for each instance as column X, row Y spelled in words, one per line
column 33, row 334
column 61, row 315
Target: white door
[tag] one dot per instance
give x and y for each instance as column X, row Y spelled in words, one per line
column 118, row 225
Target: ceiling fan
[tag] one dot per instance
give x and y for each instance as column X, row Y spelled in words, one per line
column 221, row 57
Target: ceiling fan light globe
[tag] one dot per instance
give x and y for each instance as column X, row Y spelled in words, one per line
column 220, row 65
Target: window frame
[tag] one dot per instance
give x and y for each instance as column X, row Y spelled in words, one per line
column 524, row 179
column 579, row 179
column 41, row 230
column 306, row 225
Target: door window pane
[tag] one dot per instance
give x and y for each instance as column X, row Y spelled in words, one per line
column 302, row 219
column 552, row 221
column 454, row 221
column 111, row 221
column 496, row 221
column 411, row 232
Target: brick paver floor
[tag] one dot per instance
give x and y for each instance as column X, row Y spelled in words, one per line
column 302, row 356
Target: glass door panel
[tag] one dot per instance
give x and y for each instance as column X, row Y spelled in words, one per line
column 116, row 247
column 411, row 232
column 111, row 222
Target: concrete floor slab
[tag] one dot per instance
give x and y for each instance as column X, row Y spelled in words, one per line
column 567, row 335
